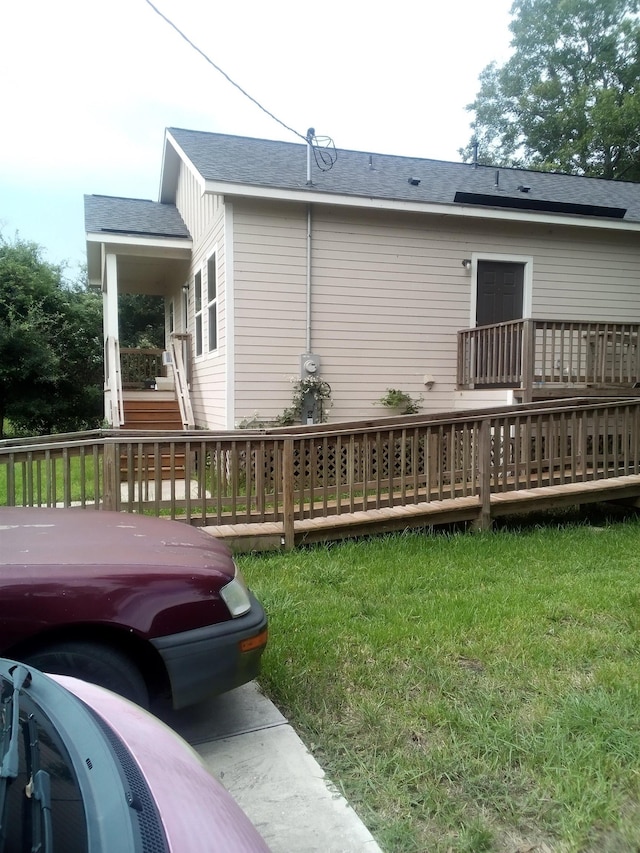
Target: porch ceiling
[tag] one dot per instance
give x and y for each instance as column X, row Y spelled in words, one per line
column 153, row 267
column 155, row 276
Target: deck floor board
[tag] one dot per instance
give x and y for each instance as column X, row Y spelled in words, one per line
column 265, row 535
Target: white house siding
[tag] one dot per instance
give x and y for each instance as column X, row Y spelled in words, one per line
column 482, row 399
column 389, row 294
column 270, row 305
column 204, row 217
column 198, row 210
column 588, row 277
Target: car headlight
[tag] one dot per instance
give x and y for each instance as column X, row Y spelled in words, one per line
column 236, row 595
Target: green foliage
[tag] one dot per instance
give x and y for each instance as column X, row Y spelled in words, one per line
column 401, row 401
column 50, row 345
column 313, row 387
column 141, row 321
column 567, row 99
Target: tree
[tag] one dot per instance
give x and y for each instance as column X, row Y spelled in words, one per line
column 50, row 345
column 568, row 98
column 141, row 320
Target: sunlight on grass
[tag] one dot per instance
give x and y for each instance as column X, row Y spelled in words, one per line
column 468, row 692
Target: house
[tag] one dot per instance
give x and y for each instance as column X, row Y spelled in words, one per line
column 460, row 284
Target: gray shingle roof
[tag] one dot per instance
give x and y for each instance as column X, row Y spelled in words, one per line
column 133, row 216
column 283, row 165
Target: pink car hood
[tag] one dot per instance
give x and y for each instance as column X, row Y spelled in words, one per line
column 197, row 812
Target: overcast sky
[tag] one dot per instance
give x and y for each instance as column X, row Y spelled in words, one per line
column 88, row 87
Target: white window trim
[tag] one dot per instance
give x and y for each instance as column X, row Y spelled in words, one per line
column 213, row 255
column 197, row 314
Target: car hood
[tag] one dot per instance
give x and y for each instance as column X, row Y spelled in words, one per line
column 99, row 541
column 198, row 814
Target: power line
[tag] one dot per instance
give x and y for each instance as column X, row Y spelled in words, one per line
column 224, row 74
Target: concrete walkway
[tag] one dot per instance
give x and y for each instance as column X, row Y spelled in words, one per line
column 246, row 743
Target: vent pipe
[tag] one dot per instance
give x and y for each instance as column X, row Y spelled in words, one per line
column 310, row 135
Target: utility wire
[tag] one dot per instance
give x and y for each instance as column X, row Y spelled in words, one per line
column 224, row 74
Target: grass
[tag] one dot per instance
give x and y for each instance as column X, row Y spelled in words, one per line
column 44, row 481
column 468, row 692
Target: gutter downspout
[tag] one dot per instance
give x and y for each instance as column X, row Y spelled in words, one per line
column 308, row 321
column 310, row 135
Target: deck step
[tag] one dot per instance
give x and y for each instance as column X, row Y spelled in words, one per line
column 153, row 413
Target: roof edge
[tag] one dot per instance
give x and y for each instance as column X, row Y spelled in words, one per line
column 309, row 196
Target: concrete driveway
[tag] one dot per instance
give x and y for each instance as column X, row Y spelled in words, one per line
column 246, row 743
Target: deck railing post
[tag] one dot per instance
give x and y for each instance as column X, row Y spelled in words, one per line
column 483, row 522
column 287, row 494
column 111, row 476
column 528, row 359
column 462, row 374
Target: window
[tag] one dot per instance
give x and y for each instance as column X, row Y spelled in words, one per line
column 212, row 302
column 198, row 311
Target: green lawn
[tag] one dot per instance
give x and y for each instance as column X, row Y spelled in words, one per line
column 468, row 692
column 43, row 481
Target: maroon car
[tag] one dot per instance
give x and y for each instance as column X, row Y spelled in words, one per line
column 144, row 606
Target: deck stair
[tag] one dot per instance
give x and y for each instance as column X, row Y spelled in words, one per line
column 152, row 411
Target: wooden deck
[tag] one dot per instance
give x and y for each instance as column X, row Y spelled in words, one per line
column 261, row 489
column 242, row 538
column 546, row 359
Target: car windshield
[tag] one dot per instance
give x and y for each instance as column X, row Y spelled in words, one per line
column 41, row 807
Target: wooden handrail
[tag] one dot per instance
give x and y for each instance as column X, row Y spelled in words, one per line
column 283, row 478
column 532, row 353
column 180, row 377
column 113, row 383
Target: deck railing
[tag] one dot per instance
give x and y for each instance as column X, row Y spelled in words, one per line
column 140, row 367
column 252, row 477
column 531, row 354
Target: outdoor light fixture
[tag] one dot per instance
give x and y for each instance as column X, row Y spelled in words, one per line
column 466, row 264
column 185, row 288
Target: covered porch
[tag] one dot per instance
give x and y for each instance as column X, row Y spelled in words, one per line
column 542, row 359
column 142, row 247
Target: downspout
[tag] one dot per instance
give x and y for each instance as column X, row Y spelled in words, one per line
column 309, row 363
column 308, row 338
column 310, row 134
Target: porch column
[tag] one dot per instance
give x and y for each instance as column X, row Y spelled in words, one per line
column 112, row 381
